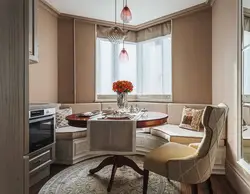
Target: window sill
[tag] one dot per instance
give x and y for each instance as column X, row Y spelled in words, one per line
column 147, row 100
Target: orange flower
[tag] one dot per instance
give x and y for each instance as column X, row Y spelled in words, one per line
column 122, row 86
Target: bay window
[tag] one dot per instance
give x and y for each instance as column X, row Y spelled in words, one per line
column 149, row 69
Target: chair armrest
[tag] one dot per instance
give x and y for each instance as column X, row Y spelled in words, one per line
column 194, row 145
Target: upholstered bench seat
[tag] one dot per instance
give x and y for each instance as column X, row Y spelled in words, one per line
column 72, row 144
column 71, row 132
column 173, row 133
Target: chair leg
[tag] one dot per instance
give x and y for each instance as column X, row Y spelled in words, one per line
column 145, row 181
column 209, row 184
column 194, row 188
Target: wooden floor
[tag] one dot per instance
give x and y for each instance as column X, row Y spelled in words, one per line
column 220, row 184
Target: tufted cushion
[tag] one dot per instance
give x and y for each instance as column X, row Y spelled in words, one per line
column 71, row 132
column 61, row 114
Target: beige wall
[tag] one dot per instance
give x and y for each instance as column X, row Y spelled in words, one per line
column 66, row 59
column 225, row 82
column 192, row 53
column 192, row 58
column 85, row 39
column 43, row 75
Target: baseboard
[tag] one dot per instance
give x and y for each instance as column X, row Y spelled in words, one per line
column 236, row 180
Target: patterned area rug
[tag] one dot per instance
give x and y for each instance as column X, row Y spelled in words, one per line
column 77, row 180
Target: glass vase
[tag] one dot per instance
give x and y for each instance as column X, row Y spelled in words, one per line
column 122, row 100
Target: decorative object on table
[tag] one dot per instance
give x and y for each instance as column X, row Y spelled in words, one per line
column 126, row 15
column 76, row 179
column 122, row 88
column 123, row 57
column 191, row 119
column 89, row 114
column 115, row 34
column 61, row 114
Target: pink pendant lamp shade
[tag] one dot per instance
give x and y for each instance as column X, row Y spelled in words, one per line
column 123, row 57
column 126, row 15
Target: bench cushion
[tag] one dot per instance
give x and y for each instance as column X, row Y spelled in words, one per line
column 70, row 132
column 83, row 107
column 174, row 133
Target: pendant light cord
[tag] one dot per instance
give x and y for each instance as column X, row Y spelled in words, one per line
column 123, row 24
column 115, row 10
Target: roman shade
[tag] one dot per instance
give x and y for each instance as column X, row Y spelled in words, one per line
column 247, row 23
column 154, row 32
column 141, row 35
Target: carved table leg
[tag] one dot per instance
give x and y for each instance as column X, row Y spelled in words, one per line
column 105, row 162
column 117, row 162
column 112, row 177
column 130, row 163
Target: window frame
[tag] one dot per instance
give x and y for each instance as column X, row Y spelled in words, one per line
column 131, row 97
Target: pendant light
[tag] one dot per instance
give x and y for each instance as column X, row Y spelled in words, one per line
column 123, row 57
column 115, row 34
column 126, row 15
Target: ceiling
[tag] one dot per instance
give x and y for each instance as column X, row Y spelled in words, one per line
column 142, row 10
column 246, row 4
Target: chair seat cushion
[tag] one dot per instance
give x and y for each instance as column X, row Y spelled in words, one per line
column 174, row 133
column 156, row 160
column 71, row 132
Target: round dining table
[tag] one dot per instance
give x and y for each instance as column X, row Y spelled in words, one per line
column 146, row 120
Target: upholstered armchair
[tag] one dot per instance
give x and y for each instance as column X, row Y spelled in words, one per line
column 187, row 164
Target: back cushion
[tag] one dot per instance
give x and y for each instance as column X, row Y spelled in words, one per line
column 83, row 107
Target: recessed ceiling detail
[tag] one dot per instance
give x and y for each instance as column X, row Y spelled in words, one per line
column 143, row 10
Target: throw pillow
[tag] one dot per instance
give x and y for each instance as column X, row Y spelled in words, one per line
column 191, row 119
column 61, row 115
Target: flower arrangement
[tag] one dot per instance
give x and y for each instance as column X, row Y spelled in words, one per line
column 123, row 86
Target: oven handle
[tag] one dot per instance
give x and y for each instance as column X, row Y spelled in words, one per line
column 41, row 119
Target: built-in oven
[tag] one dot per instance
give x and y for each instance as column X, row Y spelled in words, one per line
column 41, row 128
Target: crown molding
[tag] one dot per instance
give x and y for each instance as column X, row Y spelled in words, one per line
column 50, row 8
column 139, row 27
column 172, row 16
column 99, row 22
column 211, row 2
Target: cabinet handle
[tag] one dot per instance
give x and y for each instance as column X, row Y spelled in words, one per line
column 38, row 162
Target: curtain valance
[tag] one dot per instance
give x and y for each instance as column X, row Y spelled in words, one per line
column 246, row 24
column 142, row 35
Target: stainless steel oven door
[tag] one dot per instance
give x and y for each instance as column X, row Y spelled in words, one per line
column 41, row 132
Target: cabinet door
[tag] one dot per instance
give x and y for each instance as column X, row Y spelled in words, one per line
column 33, row 45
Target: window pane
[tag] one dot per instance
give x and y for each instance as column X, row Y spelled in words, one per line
column 128, row 71
column 246, row 64
column 155, row 62
column 104, row 71
column 151, row 67
column 167, row 66
column 246, row 38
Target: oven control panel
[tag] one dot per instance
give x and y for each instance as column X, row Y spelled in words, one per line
column 41, row 112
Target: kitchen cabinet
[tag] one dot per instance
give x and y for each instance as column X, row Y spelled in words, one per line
column 33, row 42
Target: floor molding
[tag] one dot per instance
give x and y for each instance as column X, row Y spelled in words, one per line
column 236, row 180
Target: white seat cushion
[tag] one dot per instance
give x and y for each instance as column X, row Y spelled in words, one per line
column 174, row 133
column 71, row 132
